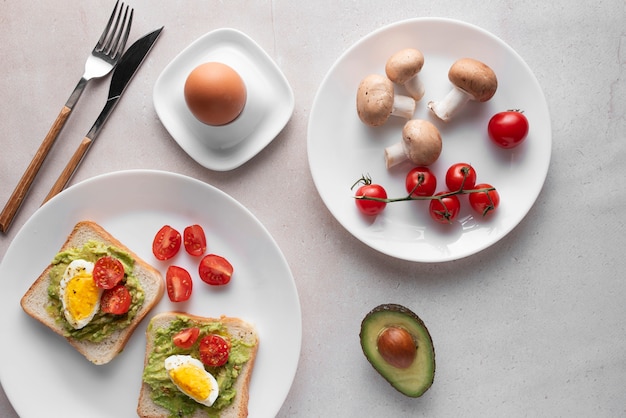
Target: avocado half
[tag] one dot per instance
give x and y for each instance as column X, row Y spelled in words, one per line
column 397, row 343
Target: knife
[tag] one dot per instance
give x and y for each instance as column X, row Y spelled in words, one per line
column 122, row 75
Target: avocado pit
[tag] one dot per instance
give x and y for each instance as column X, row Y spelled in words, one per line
column 397, row 347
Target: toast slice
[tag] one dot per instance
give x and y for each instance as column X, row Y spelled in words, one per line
column 237, row 329
column 36, row 300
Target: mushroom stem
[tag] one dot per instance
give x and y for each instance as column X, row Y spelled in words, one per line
column 395, row 154
column 415, row 88
column 453, row 101
column 403, row 106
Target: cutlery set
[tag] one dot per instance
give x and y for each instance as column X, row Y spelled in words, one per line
column 107, row 56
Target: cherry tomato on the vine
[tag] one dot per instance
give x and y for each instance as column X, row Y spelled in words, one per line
column 420, row 181
column 178, row 283
column 195, row 240
column 446, row 209
column 366, row 206
column 166, row 243
column 460, row 176
column 484, row 203
column 508, row 129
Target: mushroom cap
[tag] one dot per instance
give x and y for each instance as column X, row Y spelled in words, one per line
column 474, row 77
column 404, row 65
column 421, row 141
column 374, row 99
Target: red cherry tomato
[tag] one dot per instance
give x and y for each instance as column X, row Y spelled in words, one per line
column 116, row 300
column 195, row 240
column 420, row 181
column 108, row 272
column 446, row 209
column 214, row 350
column 508, row 129
column 484, row 203
column 460, row 175
column 215, row 270
column 179, row 284
column 186, row 338
column 166, row 243
column 366, row 206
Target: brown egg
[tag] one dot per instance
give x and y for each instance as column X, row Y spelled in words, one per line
column 215, row 93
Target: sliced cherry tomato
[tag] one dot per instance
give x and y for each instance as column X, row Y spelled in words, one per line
column 484, row 202
column 460, row 175
column 446, row 209
column 420, row 181
column 195, row 240
column 186, row 338
column 179, row 284
column 508, row 129
column 166, row 243
column 215, row 270
column 108, row 272
column 214, row 350
column 116, row 300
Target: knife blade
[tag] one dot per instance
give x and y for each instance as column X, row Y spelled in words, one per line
column 122, row 75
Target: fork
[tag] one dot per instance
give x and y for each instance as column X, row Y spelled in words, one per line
column 100, row 62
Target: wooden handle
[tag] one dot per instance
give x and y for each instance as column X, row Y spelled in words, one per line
column 22, row 188
column 69, row 169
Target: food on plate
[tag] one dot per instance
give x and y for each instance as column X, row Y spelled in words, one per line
column 215, row 93
column 421, row 144
column 460, row 176
column 369, row 206
column 508, row 129
column 403, row 68
column 178, row 283
column 445, row 208
column 96, row 317
column 215, row 270
column 197, row 367
column 420, row 181
column 195, row 240
column 484, row 202
column 166, row 243
column 376, row 101
column 471, row 80
column 398, row 345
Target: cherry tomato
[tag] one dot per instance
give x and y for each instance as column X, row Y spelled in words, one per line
column 186, row 338
column 460, row 175
column 166, row 243
column 179, row 284
column 420, row 181
column 215, row 270
column 484, row 202
column 195, row 240
column 446, row 209
column 108, row 272
column 366, row 206
column 214, row 350
column 508, row 129
column 116, row 300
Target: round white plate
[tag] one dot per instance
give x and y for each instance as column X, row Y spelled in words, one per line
column 268, row 108
column 341, row 149
column 44, row 376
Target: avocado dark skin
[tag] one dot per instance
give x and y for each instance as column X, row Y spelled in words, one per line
column 398, row 345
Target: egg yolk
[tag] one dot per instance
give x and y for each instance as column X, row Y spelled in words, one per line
column 81, row 295
column 192, row 381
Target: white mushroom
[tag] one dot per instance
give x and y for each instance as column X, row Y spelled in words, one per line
column 472, row 80
column 421, row 144
column 376, row 101
column 403, row 68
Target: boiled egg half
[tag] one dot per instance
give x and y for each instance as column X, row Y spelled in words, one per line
column 79, row 294
column 191, row 378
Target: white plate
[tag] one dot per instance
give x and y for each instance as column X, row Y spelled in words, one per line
column 341, row 148
column 43, row 376
column 268, row 108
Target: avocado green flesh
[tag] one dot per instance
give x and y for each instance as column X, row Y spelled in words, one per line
column 414, row 380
